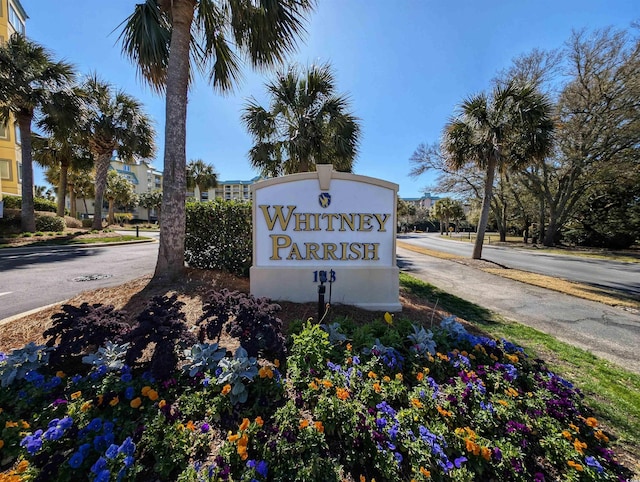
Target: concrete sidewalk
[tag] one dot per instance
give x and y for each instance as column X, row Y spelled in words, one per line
column 608, row 332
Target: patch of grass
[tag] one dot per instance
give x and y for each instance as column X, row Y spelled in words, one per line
column 111, row 239
column 611, row 392
column 428, row 252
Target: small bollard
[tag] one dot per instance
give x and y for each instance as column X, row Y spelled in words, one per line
column 137, row 232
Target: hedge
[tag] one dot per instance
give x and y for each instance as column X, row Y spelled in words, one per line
column 219, row 236
column 40, row 204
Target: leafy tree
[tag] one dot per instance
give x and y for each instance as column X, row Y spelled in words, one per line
column 201, row 175
column 115, row 122
column 80, row 184
column 511, row 127
column 118, row 191
column 164, row 37
column 29, row 80
column 151, row 200
column 306, row 123
column 44, row 192
column 445, row 210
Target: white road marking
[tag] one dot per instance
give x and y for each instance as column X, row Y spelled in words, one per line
column 6, row 293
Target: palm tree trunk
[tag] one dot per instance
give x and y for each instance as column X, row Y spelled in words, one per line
column 102, row 167
column 111, row 218
column 62, row 187
column 170, row 264
column 28, row 214
column 486, row 204
column 72, row 201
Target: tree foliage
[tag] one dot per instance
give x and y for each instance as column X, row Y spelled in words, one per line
column 201, row 175
column 118, row 191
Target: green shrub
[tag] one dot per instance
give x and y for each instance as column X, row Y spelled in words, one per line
column 72, row 222
column 12, row 202
column 10, row 222
column 39, row 204
column 122, row 218
column 87, row 223
column 49, row 223
column 219, row 236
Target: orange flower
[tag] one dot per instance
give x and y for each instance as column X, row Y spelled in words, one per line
column 348, row 346
column 136, row 402
column 502, row 402
column 511, row 391
column 304, row 423
column 377, row 388
column 100, row 399
column 1, row 443
column 486, row 453
column 24, row 424
column 443, row 412
column 342, row 393
column 575, row 428
column 386, row 379
column 372, row 375
column 591, row 422
column 244, row 440
column 566, row 434
column 22, row 466
column 327, row 383
column 60, row 374
column 442, row 357
column 319, row 427
column 226, row 389
column 493, row 357
column 416, row 403
column 601, row 436
column 420, row 376
column 576, row 466
column 425, row 472
column 472, row 447
column 76, row 395
column 153, row 395
column 579, row 446
column 362, row 479
column 10, row 424
column 191, row 426
column 265, row 372
column 115, row 401
column 512, row 358
column 259, row 421
column 399, row 376
column 313, row 386
column 276, row 363
column 162, row 403
column 86, row 406
column 233, row 437
column 245, row 424
column 145, row 390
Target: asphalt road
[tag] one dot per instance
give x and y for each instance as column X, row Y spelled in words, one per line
column 620, row 276
column 36, row 277
column 608, row 332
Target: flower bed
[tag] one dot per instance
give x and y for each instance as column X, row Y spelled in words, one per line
column 384, row 401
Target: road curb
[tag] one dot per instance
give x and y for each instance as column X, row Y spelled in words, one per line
column 8, row 320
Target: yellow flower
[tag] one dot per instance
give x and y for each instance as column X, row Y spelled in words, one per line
column 136, row 402
column 319, row 427
column 579, row 446
column 10, row 424
column 76, row 395
column 372, row 375
column 575, row 428
column 512, row 358
column 502, row 402
column 153, row 395
column 493, row 357
column 226, row 389
column 386, row 379
column 511, row 391
column 388, row 317
column 399, row 376
column 265, row 372
column 145, row 390
column 259, row 421
column 60, row 374
column 245, row 424
column 377, row 388
column 162, row 403
column 115, row 401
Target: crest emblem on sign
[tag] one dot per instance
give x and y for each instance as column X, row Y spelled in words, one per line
column 324, row 199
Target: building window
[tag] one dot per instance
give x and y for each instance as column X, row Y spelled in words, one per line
column 14, row 19
column 5, row 169
column 19, row 164
column 126, row 168
column 16, row 131
column 4, row 132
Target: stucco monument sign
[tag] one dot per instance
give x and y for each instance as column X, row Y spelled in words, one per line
column 326, row 227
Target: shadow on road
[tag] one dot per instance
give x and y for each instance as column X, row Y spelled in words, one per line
column 18, row 260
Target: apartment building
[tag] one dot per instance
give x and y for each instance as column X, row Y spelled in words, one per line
column 232, row 190
column 424, row 202
column 12, row 19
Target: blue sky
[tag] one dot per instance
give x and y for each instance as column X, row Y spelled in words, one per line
column 406, row 65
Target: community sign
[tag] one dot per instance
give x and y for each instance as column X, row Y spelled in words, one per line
column 330, row 228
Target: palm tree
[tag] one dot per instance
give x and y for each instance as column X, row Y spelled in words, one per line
column 508, row 129
column 29, row 80
column 80, row 181
column 163, row 37
column 201, row 175
column 115, row 122
column 443, row 210
column 306, row 124
column 151, row 200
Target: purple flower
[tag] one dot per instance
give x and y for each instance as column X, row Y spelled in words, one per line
column 129, row 392
column 32, row 443
column 204, row 428
column 95, row 425
column 76, row 460
column 538, row 477
column 128, row 461
column 126, row 377
column 262, row 468
column 99, row 465
column 592, row 462
column 103, row 476
column 459, row 461
column 497, row 454
column 112, row 451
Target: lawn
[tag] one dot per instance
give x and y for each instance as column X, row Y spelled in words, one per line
column 230, row 391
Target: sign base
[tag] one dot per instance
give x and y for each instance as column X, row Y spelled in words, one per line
column 370, row 288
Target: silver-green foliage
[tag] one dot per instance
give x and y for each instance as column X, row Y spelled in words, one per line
column 235, row 371
column 203, row 357
column 19, row 362
column 111, row 356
